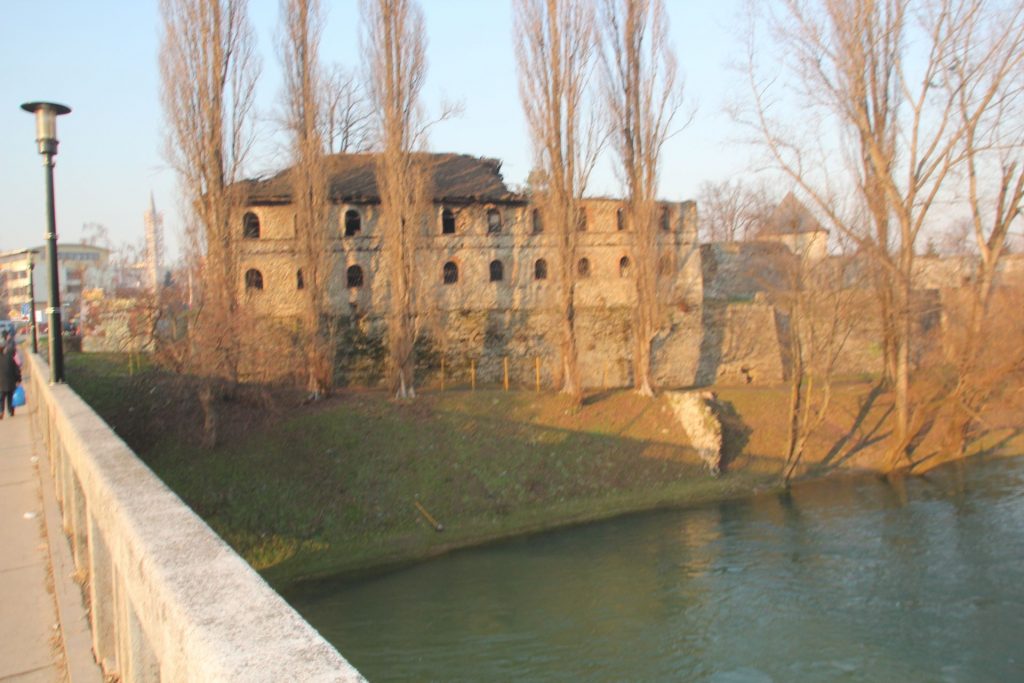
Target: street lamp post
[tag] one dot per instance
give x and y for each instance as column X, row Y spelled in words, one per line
column 46, row 135
column 32, row 300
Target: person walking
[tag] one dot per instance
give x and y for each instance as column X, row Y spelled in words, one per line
column 10, row 378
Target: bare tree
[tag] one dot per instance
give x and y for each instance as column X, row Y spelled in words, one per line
column 879, row 74
column 555, row 48
column 643, row 96
column 732, row 211
column 819, row 308
column 97, row 235
column 209, row 67
column 347, row 120
column 302, row 24
column 394, row 46
column 987, row 80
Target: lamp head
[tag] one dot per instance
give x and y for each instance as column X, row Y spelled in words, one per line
column 46, row 123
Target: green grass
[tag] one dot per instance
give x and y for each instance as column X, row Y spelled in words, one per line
column 334, row 488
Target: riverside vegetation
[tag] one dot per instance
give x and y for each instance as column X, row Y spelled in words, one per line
column 309, row 491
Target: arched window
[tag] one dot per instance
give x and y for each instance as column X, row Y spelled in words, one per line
column 353, row 222
column 447, row 222
column 581, row 219
column 299, row 282
column 497, row 271
column 620, row 219
column 450, row 273
column 583, row 267
column 624, row 266
column 540, row 270
column 250, row 226
column 493, row 222
column 253, row 279
column 538, row 222
column 354, row 276
column 666, row 223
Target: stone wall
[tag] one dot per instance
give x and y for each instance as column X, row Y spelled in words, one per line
column 114, row 325
column 740, row 271
column 740, row 344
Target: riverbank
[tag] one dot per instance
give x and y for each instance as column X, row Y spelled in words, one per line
column 355, row 482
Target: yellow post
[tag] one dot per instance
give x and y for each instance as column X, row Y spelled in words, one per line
column 536, row 372
column 472, row 374
column 506, row 373
column 442, row 373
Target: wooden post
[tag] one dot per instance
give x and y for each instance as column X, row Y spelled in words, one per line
column 506, row 373
column 442, row 373
column 604, row 376
column 472, row 374
column 536, row 373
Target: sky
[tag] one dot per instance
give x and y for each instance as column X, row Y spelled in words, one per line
column 99, row 57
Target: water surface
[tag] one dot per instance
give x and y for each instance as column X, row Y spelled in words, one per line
column 852, row 579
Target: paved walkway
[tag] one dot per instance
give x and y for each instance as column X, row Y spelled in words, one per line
column 30, row 648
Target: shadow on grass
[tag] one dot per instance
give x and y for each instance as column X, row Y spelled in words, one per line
column 598, row 396
column 857, row 438
column 989, row 450
column 735, row 433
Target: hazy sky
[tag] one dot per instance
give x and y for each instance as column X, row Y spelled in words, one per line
column 100, row 58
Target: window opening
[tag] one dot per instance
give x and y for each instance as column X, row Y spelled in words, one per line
column 540, row 270
column 253, row 279
column 353, row 223
column 447, row 222
column 493, row 222
column 624, row 266
column 251, row 226
column 354, row 276
column 583, row 267
column 450, row 273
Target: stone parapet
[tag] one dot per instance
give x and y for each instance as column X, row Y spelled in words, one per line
column 169, row 600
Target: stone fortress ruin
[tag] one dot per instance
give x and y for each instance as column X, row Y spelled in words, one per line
column 489, row 281
column 488, row 276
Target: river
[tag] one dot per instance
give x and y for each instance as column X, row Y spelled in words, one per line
column 847, row 579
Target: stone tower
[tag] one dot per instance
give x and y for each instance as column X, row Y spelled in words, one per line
column 154, row 244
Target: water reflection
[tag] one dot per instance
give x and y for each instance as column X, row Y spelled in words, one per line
column 854, row 580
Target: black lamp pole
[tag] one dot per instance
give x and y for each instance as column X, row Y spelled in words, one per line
column 46, row 135
column 32, row 300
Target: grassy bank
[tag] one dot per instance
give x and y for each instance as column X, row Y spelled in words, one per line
column 305, row 491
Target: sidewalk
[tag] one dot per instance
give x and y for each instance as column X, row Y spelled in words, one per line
column 29, row 632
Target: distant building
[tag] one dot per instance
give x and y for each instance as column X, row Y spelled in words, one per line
column 793, row 225
column 79, row 267
column 154, row 245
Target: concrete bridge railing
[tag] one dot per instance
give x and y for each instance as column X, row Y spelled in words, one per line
column 168, row 599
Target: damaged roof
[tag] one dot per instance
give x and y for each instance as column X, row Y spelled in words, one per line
column 456, row 178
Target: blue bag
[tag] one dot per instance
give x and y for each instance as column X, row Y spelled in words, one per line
column 18, row 399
